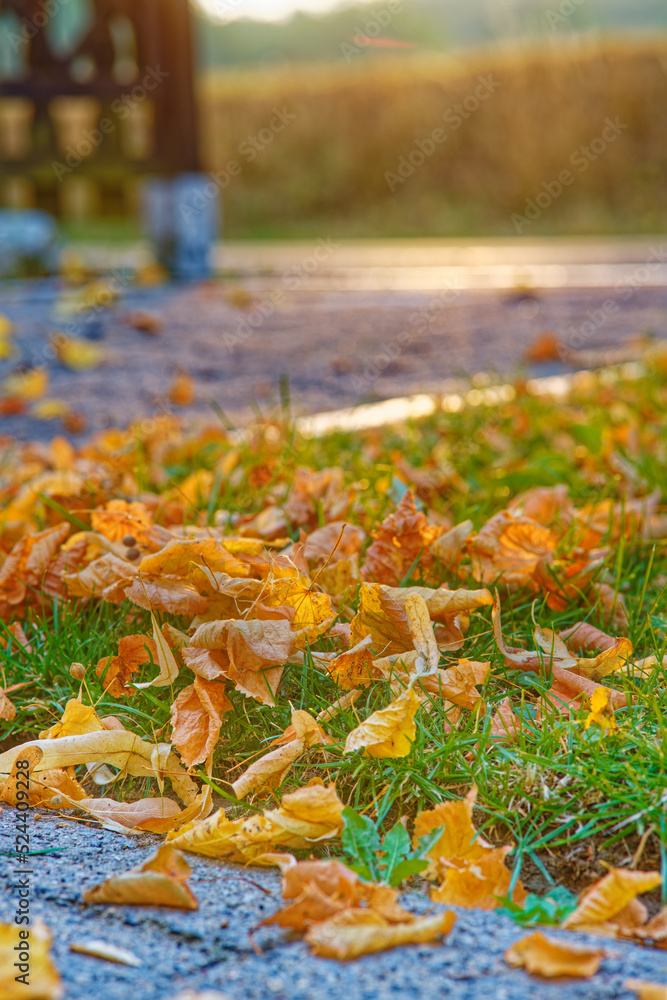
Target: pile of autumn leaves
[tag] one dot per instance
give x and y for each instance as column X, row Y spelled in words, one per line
column 256, row 602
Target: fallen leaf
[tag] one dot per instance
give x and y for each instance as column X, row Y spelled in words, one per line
column 549, row 958
column 42, row 981
column 306, row 816
column 109, row 952
column 389, row 732
column 476, row 883
column 269, row 771
column 351, row 934
column 403, row 538
column 159, row 881
column 608, row 897
column 196, row 719
column 646, row 990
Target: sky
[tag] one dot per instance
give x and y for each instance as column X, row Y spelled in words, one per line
column 265, row 10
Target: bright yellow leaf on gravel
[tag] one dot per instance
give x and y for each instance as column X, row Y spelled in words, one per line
column 646, row 990
column 551, row 958
column 353, row 933
column 48, row 409
column 79, row 355
column 30, row 384
column 42, row 981
column 159, row 881
column 389, row 732
column 607, row 898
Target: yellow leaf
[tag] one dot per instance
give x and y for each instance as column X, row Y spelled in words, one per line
column 269, row 771
column 389, row 732
column 79, row 355
column 42, row 979
column 309, row 815
column 609, row 896
column 459, row 837
column 476, row 883
column 646, row 990
column 344, row 938
column 549, row 958
column 48, row 409
column 119, row 748
column 421, row 630
column 28, row 385
column 166, row 660
column 159, row 881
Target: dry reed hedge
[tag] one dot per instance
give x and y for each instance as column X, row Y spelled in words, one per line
column 353, row 123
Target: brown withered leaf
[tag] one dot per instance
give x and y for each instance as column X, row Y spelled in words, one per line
column 401, row 539
column 43, row 980
column 7, row 707
column 309, row 815
column 196, row 719
column 389, row 732
column 159, row 881
column 550, row 958
column 459, row 683
column 166, row 660
column 163, row 593
column 586, row 638
column 133, row 652
column 106, row 577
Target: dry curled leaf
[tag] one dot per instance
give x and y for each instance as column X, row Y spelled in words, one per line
column 351, row 934
column 159, row 881
column 551, row 958
column 269, row 771
column 646, row 990
column 601, row 905
column 389, row 732
column 309, row 815
column 196, row 719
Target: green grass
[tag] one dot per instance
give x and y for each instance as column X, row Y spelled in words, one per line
column 560, row 788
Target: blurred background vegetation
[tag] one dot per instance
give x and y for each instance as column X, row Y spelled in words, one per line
column 362, row 99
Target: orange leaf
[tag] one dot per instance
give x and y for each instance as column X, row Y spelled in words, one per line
column 196, row 719
column 159, row 881
column 608, row 897
column 549, row 958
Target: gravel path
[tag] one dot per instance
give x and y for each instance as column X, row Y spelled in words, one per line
column 337, row 348
column 210, row 948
